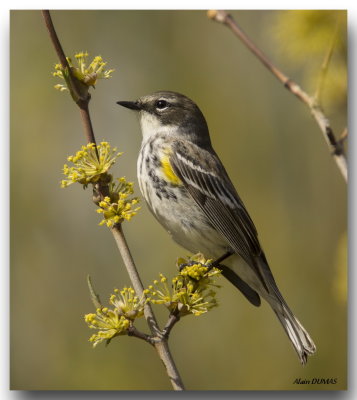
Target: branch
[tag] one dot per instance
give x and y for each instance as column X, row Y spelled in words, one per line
column 87, row 123
column 173, row 319
column 134, row 276
column 343, row 135
column 82, row 97
column 161, row 345
column 94, row 296
column 326, row 63
column 158, row 340
column 334, row 145
column 132, row 331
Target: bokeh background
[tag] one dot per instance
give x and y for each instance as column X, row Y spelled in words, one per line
column 273, row 151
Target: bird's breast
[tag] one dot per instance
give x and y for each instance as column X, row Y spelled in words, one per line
column 160, row 186
column 169, row 200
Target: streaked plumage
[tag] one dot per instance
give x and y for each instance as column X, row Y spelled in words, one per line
column 189, row 192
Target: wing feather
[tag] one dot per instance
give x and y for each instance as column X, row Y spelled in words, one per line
column 209, row 185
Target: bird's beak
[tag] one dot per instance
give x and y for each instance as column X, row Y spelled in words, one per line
column 133, row 105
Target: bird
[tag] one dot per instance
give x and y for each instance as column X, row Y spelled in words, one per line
column 188, row 190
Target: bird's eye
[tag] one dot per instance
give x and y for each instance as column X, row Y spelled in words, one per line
column 161, row 104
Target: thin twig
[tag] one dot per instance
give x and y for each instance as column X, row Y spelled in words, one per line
column 157, row 339
column 61, row 55
column 326, row 62
column 335, row 147
column 173, row 319
column 161, row 345
column 94, row 296
column 134, row 276
column 343, row 135
column 54, row 38
column 132, row 331
column 83, row 101
column 87, row 123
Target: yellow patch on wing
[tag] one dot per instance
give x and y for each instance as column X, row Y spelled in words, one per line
column 169, row 172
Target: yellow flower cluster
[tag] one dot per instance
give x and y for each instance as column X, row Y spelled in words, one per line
column 109, row 324
column 128, row 303
column 192, row 289
column 88, row 168
column 91, row 165
column 87, row 75
column 191, row 292
column 114, row 322
column 118, row 206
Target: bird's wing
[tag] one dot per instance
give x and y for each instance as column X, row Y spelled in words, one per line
column 206, row 180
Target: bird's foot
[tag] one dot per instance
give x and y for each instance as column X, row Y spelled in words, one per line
column 187, row 264
column 209, row 266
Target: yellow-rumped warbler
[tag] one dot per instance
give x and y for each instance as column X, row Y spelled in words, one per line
column 189, row 192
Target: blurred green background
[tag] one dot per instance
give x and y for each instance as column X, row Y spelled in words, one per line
column 273, row 151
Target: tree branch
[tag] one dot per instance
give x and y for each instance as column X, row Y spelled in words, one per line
column 343, row 135
column 161, row 345
column 82, row 97
column 173, row 319
column 87, row 123
column 157, row 339
column 134, row 276
column 132, row 331
column 326, row 62
column 334, row 145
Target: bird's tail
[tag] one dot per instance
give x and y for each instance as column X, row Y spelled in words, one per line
column 301, row 340
column 264, row 285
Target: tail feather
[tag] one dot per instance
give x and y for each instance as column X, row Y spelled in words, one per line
column 300, row 339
